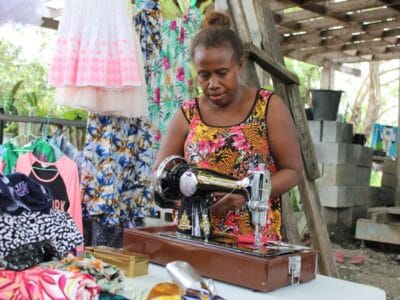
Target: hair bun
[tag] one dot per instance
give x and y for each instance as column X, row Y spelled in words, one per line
column 216, row 19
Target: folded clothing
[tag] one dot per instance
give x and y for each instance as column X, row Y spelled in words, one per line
column 39, row 283
column 19, row 193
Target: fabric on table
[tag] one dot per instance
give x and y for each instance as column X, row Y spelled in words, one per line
column 108, row 277
column 39, row 283
column 29, row 227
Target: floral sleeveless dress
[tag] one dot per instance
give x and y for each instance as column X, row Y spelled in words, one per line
column 234, row 150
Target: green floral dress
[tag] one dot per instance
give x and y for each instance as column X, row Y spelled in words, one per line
column 168, row 68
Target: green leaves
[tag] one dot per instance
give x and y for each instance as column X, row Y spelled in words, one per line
column 7, row 102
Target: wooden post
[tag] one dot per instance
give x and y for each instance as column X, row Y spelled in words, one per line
column 285, row 84
column 327, row 78
column 397, row 191
column 308, row 190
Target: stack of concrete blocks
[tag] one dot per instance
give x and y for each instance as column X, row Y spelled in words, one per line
column 345, row 168
column 388, row 183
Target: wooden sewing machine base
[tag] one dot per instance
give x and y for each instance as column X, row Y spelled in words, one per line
column 258, row 270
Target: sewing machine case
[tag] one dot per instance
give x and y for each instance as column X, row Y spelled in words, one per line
column 264, row 272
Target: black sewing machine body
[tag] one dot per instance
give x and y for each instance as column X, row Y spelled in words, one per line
column 189, row 188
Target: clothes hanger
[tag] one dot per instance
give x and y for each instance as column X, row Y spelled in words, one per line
column 24, row 137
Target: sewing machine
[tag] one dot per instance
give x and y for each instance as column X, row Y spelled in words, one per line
column 176, row 179
column 258, row 266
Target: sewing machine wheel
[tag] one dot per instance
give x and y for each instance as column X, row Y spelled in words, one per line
column 168, row 174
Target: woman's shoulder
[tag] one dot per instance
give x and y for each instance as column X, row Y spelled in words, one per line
column 189, row 108
column 189, row 104
column 265, row 94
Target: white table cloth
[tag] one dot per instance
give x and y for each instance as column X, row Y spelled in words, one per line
column 321, row 288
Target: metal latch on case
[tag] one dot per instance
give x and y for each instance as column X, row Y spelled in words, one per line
column 294, row 269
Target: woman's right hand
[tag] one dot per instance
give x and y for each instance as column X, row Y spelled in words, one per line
column 224, row 202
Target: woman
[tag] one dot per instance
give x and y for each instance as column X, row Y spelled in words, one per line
column 232, row 128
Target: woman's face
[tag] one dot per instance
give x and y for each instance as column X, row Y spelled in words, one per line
column 218, row 73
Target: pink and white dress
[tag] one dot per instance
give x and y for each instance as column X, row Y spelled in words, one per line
column 97, row 64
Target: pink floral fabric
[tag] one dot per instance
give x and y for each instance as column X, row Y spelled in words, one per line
column 45, row 284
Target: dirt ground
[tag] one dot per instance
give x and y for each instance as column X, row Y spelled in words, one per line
column 378, row 265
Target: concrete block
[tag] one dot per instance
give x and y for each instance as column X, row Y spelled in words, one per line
column 339, row 174
column 315, row 130
column 363, row 175
column 337, row 132
column 348, row 216
column 338, row 196
column 333, row 153
column 330, row 215
column 386, row 196
column 364, row 196
column 382, row 233
column 389, row 180
column 374, row 198
column 362, row 155
column 389, row 166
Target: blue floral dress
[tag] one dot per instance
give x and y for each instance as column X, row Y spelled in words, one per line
column 117, row 172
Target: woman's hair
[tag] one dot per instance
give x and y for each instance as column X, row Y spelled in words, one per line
column 215, row 31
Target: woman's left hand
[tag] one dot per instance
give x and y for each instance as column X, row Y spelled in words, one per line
column 224, row 202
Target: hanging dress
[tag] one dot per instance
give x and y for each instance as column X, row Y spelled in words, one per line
column 166, row 48
column 97, row 63
column 117, row 172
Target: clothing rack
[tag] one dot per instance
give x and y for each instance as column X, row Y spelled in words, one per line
column 37, row 120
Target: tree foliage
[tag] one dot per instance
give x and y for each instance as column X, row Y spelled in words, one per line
column 376, row 96
column 309, row 76
column 32, row 96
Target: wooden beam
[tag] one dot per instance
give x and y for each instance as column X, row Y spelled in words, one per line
column 281, row 4
column 268, row 63
column 375, row 57
column 358, row 17
column 392, row 4
column 49, row 23
column 236, row 11
column 330, row 37
column 397, row 189
column 308, row 190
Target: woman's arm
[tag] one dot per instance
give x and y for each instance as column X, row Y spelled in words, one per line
column 284, row 146
column 173, row 142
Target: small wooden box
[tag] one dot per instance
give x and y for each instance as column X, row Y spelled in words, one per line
column 133, row 264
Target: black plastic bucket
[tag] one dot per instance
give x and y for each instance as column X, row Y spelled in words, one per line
column 325, row 104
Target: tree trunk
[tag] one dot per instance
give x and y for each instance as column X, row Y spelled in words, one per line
column 374, row 99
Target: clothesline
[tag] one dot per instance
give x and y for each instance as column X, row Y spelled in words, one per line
column 38, row 120
column 30, row 119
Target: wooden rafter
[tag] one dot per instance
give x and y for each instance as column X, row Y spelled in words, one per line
column 320, row 31
column 333, row 33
